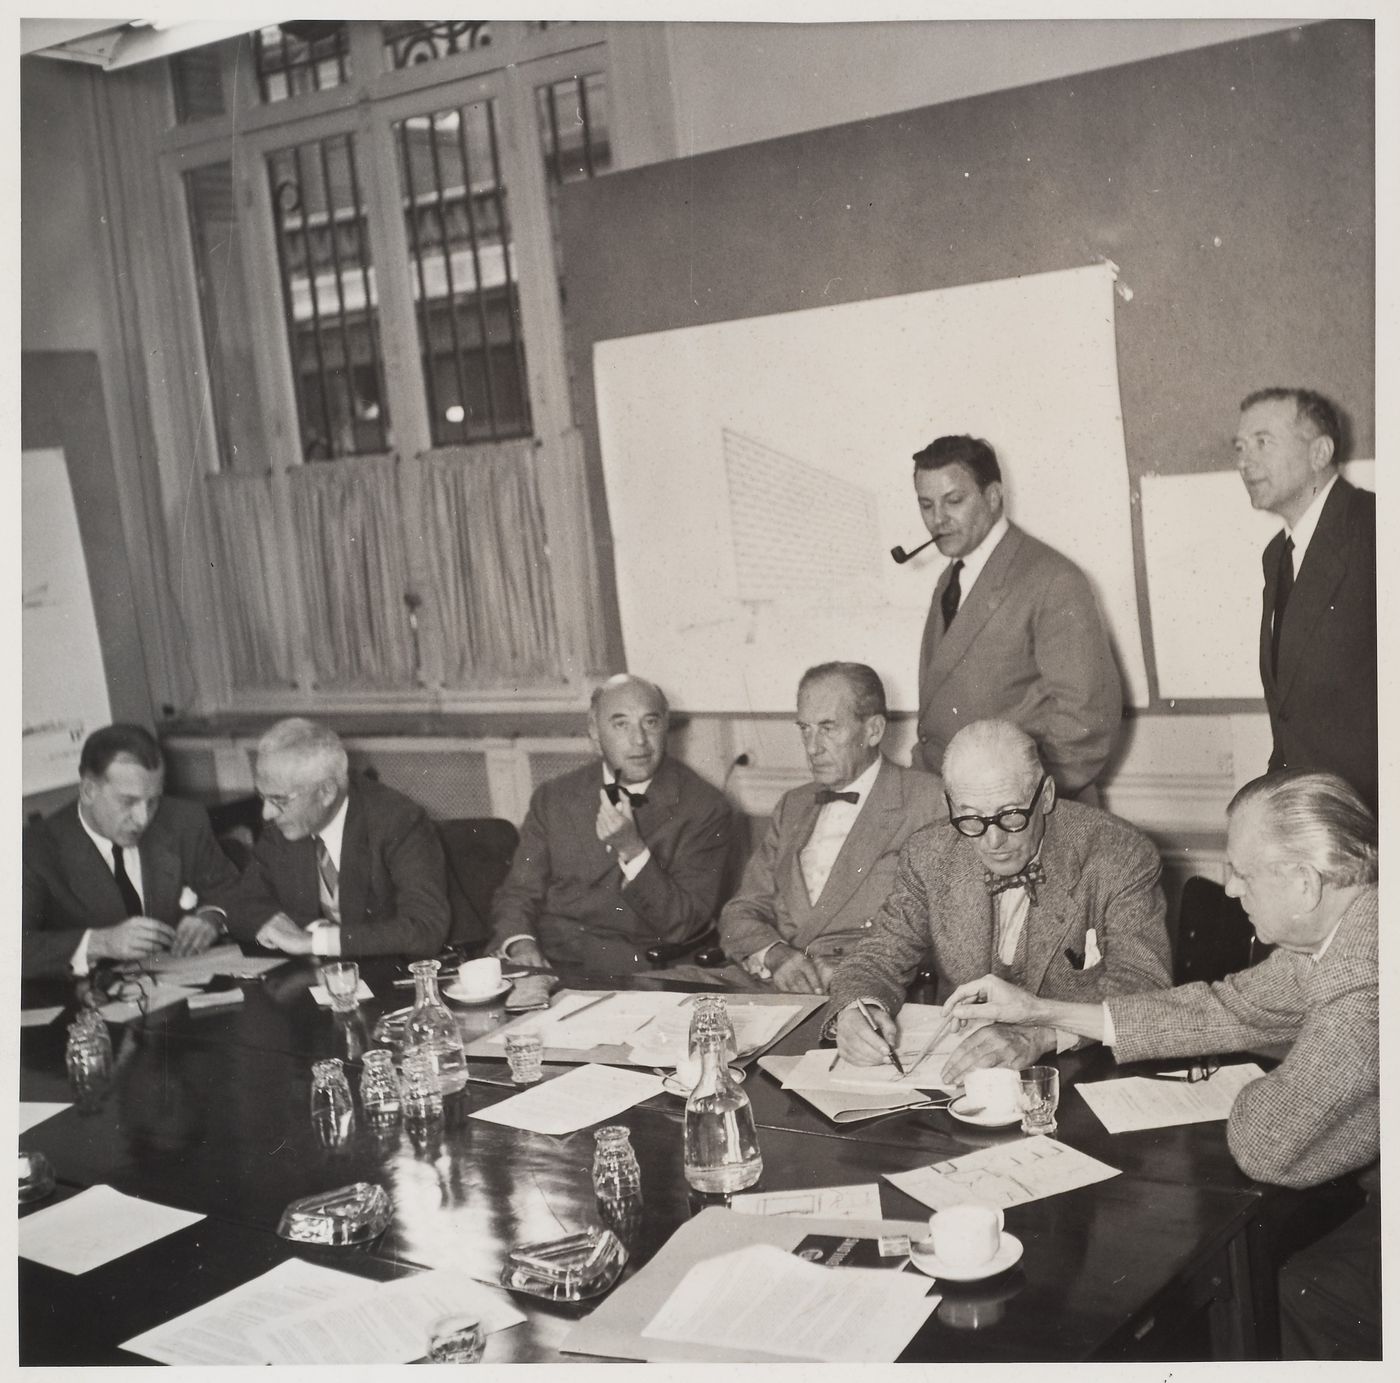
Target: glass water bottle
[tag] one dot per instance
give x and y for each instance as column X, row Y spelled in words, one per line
column 432, row 1025
column 721, row 1142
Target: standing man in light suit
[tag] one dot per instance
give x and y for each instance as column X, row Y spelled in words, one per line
column 1013, row 631
column 1317, row 638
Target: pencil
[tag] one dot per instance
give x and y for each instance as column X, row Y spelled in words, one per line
column 893, row 1055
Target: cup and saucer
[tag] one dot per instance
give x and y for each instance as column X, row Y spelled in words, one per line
column 966, row 1243
column 478, row 982
column 991, row 1099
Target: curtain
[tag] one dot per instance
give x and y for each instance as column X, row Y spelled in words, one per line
column 354, row 574
column 490, row 561
column 245, row 556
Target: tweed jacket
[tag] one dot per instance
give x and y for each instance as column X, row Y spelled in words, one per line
column 393, row 889
column 569, row 893
column 1322, row 704
column 772, row 903
column 1029, row 646
column 69, row 887
column 1316, row 1115
column 1100, row 872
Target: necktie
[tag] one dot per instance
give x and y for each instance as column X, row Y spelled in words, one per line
column 1283, row 588
column 825, row 795
column 330, row 876
column 952, row 594
column 131, row 900
column 1028, row 878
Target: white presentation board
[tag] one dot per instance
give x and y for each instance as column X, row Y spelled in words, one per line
column 65, row 688
column 759, row 471
column 1203, row 545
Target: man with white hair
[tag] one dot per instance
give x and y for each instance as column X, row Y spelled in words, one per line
column 615, row 858
column 343, row 868
column 1302, row 850
column 1059, row 897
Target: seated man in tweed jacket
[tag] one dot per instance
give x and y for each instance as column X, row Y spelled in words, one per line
column 1303, row 861
column 1058, row 897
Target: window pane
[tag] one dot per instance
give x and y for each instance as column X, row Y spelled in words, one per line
column 197, row 78
column 301, row 55
column 464, row 284
column 224, row 317
column 329, row 298
column 411, row 41
column 573, row 123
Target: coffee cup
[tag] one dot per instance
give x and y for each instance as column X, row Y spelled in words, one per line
column 966, row 1236
column 997, row 1092
column 479, row 977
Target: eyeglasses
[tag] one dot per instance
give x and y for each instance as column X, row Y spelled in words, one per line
column 1196, row 1072
column 1013, row 820
column 280, row 801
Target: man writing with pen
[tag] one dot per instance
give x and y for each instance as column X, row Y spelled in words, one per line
column 1059, row 898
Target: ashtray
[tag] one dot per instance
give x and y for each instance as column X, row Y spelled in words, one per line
column 573, row 1268
column 352, row 1214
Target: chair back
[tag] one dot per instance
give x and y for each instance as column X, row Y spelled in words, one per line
column 1214, row 937
column 479, row 851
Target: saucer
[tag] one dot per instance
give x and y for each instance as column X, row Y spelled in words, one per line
column 674, row 1085
column 1008, row 1254
column 987, row 1119
column 460, row 996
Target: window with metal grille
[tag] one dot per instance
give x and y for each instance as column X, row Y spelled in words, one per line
column 298, row 56
column 329, row 299
column 464, row 279
column 573, row 125
column 408, row 42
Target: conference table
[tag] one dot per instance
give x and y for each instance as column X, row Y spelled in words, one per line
column 208, row 1112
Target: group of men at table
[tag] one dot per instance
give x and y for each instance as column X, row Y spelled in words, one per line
column 1003, row 875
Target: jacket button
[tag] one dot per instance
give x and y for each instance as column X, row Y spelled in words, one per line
column 923, row 739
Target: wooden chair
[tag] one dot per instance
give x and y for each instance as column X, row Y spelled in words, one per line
column 479, row 851
column 1214, row 937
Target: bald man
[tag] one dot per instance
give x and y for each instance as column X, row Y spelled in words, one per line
column 616, row 856
column 1058, row 897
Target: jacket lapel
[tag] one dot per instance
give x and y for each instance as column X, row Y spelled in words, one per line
column 88, row 875
column 354, row 863
column 1052, row 917
column 160, row 874
column 982, row 603
column 1324, row 566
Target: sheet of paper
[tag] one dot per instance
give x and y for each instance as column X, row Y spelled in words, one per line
column 157, row 996
column 38, row 1017
column 96, row 1226
column 545, row 1022
column 198, row 969
column 318, row 992
column 1134, row 1102
column 822, row 1202
column 35, row 1112
column 842, row 1105
column 389, row 1325
column 666, row 1039
column 586, row 1095
column 215, row 998
column 1006, row 1174
column 765, row 1299
column 218, row 1332
column 249, row 967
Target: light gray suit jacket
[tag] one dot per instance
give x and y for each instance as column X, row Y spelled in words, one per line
column 1028, row 646
column 772, row 903
column 1317, row 1115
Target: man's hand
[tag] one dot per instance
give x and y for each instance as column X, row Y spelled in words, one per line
column 991, row 998
column 794, row 972
column 524, row 951
column 280, row 933
column 997, row 1045
column 129, row 940
column 857, row 1044
column 194, row 934
column 616, row 828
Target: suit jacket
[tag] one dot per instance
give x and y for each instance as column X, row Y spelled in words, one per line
column 1100, row 872
column 772, row 903
column 1028, row 645
column 1317, row 1114
column 1322, row 704
column 393, row 890
column 568, row 892
column 69, row 887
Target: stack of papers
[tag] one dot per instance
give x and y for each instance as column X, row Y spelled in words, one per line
column 578, row 1099
column 93, row 1228
column 1003, row 1175
column 1135, row 1102
column 822, row 1202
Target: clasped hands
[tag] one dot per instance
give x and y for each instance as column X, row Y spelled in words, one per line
column 144, row 936
column 280, row 933
column 617, row 829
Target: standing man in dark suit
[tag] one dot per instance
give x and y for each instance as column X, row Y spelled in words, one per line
column 1317, row 639
column 617, row 857
column 124, row 871
column 1013, row 631
column 344, row 868
column 828, row 858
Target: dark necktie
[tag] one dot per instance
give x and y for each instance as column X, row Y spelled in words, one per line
column 952, row 594
column 131, row 900
column 616, row 791
column 1028, row 878
column 330, row 875
column 825, row 795
column 1283, row 588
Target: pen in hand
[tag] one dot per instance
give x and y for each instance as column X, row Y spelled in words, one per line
column 893, row 1055
column 950, row 1019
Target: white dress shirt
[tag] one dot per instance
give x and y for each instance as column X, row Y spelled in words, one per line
column 1302, row 531
column 131, row 858
column 975, row 560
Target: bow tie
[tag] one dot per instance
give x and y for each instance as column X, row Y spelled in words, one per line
column 825, row 795
column 1028, row 878
column 617, row 790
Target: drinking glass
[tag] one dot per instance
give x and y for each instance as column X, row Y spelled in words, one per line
column 422, row 1089
column 712, row 1015
column 525, row 1052
column 332, row 1108
column 342, row 981
column 380, row 1097
column 457, row 1339
column 1040, row 1098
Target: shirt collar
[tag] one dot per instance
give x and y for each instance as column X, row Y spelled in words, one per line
column 333, row 832
column 862, row 783
column 1326, row 942
column 1303, row 530
column 977, row 558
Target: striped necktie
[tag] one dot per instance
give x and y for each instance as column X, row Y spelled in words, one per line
column 330, row 876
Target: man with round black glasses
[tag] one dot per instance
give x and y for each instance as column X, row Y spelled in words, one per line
column 1061, row 899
